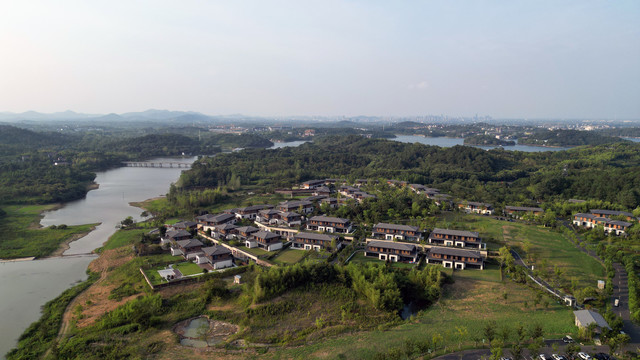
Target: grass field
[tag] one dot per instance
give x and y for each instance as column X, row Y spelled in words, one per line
column 123, row 237
column 469, row 304
column 543, row 243
column 188, row 268
column 289, row 256
column 21, row 236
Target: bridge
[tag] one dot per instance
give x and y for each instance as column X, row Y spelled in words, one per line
column 157, row 164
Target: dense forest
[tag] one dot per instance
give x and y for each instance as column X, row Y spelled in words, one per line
column 607, row 172
column 45, row 167
column 565, row 138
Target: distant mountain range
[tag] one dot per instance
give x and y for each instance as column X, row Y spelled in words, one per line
column 151, row 114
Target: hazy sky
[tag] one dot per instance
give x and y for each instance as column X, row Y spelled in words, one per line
column 525, row 59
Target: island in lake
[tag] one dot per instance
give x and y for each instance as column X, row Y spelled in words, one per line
column 487, row 140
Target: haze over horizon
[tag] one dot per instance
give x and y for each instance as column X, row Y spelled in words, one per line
column 543, row 59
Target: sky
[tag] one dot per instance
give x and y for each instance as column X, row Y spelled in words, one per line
column 505, row 59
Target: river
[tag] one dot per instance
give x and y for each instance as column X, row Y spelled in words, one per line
column 449, row 142
column 33, row 283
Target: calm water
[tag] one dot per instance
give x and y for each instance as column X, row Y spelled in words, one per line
column 449, row 142
column 631, row 139
column 33, row 283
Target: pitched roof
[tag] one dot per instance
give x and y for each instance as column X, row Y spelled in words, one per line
column 476, row 203
column 263, row 234
column 314, row 236
column 523, row 208
column 295, row 204
column 269, row 212
column 226, row 227
column 329, row 219
column 289, row 214
column 215, row 218
column 396, row 227
column 455, row 232
column 586, row 317
column 610, row 212
column 254, row 208
column 215, row 250
column 189, row 243
column 185, row 224
column 176, row 233
column 392, row 245
column 454, row 252
column 247, row 229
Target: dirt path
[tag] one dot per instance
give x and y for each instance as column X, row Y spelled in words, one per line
column 95, row 299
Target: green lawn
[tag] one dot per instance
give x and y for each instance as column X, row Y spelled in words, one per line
column 21, row 237
column 123, row 237
column 289, row 256
column 188, row 268
column 544, row 243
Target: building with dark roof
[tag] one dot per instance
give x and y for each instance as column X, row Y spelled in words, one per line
column 302, row 206
column 590, row 221
column 392, row 251
column 519, row 211
column 313, row 241
column 218, row 256
column 208, row 221
column 610, row 213
column 476, row 207
column 329, row 224
column 265, row 240
column 397, row 232
column 250, row 212
column 188, row 248
column 455, row 258
column 456, row 238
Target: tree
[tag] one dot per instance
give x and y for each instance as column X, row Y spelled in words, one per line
column 536, row 345
column 496, row 349
column 516, row 352
column 536, row 332
column 436, row 339
column 490, row 330
column 127, row 222
column 462, row 333
column 572, row 349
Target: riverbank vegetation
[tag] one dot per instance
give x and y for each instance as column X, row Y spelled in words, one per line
column 40, row 337
column 22, row 236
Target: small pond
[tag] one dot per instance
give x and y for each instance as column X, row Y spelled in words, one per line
column 201, row 332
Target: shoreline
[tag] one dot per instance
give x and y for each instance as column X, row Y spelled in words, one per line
column 65, row 245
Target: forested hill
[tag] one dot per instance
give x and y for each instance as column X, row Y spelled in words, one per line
column 566, row 138
column 608, row 172
column 14, row 140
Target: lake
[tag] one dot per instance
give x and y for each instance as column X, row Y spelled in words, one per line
column 33, row 283
column 450, row 142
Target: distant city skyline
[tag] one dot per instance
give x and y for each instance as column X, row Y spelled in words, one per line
column 516, row 59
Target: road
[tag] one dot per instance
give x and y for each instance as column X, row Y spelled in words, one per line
column 620, row 291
